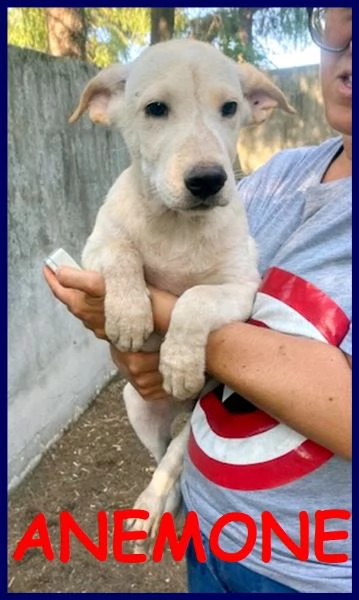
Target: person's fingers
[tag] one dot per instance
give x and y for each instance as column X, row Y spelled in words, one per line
column 136, row 362
column 90, row 282
column 139, row 363
column 118, row 359
column 66, row 296
column 89, row 309
column 141, row 368
column 97, row 328
column 149, row 380
column 157, row 394
column 51, row 278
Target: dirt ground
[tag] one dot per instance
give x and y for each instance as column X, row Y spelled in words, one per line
column 97, row 465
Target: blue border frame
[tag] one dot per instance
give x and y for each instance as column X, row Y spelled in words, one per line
column 3, row 421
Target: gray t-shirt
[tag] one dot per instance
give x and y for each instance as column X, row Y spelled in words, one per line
column 241, row 460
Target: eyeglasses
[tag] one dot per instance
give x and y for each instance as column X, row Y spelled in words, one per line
column 330, row 29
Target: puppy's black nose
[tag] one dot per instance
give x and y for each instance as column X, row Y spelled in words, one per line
column 205, row 181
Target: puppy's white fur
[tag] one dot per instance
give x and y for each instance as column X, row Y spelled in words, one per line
column 152, row 229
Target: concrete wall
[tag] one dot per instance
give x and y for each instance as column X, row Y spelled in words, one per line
column 58, row 176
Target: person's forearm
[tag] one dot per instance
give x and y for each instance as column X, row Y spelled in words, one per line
column 301, row 382
column 163, row 304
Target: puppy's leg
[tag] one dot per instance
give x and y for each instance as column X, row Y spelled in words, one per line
column 163, row 492
column 151, row 420
column 199, row 311
column 128, row 310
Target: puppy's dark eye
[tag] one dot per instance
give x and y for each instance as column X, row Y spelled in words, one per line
column 156, row 109
column 229, row 109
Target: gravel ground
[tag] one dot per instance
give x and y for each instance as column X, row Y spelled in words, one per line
column 98, row 464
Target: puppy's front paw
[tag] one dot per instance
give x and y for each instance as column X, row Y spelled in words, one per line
column 182, row 368
column 128, row 322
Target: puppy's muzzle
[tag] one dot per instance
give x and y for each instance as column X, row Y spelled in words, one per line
column 204, row 183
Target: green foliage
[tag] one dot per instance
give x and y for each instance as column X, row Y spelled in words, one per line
column 229, row 29
column 27, row 28
column 239, row 32
column 112, row 33
column 286, row 24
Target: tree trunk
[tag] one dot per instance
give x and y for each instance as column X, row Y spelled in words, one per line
column 245, row 32
column 66, row 31
column 162, row 24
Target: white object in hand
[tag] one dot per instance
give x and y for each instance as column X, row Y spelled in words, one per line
column 60, row 258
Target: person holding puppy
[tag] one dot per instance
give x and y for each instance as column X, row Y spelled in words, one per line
column 275, row 435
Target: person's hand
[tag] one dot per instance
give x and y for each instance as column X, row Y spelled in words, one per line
column 83, row 292
column 141, row 369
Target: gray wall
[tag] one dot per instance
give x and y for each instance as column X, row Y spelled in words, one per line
column 58, row 176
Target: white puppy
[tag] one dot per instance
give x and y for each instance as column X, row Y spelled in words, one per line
column 175, row 219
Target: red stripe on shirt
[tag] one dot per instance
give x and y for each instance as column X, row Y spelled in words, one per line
column 234, row 425
column 309, row 301
column 260, row 476
column 257, row 323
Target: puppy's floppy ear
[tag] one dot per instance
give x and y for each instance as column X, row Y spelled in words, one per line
column 99, row 91
column 262, row 95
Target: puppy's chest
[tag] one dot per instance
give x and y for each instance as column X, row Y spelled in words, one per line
column 174, row 282
column 171, row 267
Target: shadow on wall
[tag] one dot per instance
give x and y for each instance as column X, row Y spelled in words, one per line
column 301, row 85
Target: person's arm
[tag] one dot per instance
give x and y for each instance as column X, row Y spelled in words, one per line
column 301, row 382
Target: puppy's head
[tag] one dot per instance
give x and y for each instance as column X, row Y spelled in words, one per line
column 180, row 107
